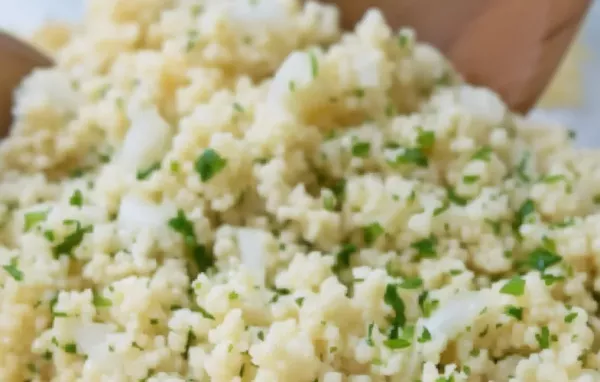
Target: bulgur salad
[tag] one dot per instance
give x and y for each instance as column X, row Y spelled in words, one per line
column 220, row 190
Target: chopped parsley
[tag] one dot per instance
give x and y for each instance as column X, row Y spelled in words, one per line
column 100, row 301
column 209, row 164
column 76, row 199
column 551, row 279
column 372, row 232
column 425, row 336
column 329, row 202
column 455, row 198
column 204, row 312
column 514, row 311
column 342, row 257
column 71, row 241
column 13, row 269
column 183, row 226
column 145, row 173
column 427, row 305
column 426, row 139
column 359, row 92
column 412, row 283
column 514, row 286
column 392, row 299
column 426, row 247
column 570, row 317
column 34, row 218
column 411, row 155
column 542, row 258
column 543, row 338
column 370, row 334
column 470, row 179
column 70, row 348
column 397, row 343
column 522, row 168
column 237, row 107
column 483, row 154
column 551, row 179
column 361, row 149
column 526, row 209
column 314, row 65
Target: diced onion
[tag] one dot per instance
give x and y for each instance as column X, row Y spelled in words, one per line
column 252, row 251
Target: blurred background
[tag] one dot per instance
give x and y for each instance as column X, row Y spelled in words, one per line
column 573, row 99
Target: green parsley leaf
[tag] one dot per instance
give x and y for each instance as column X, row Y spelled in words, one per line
column 397, row 343
column 514, row 311
column 204, row 312
column 100, row 301
column 570, row 317
column 237, row 107
column 33, row 218
column 76, row 199
column 314, row 65
column 543, row 338
column 49, row 235
column 526, row 209
column 361, row 149
column 145, row 173
column 392, row 299
column 372, row 232
column 542, row 258
column 411, row 155
column 370, row 334
column 185, row 227
column 412, row 283
column 470, row 179
column 174, row 166
column 551, row 179
column 483, row 154
column 425, row 247
column 209, row 164
column 455, row 198
column 522, row 168
column 425, row 336
column 514, row 286
column 71, row 241
column 551, row 279
column 13, row 269
column 426, row 139
column 342, row 257
column 70, row 348
column 202, row 258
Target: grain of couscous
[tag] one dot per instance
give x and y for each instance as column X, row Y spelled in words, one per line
column 236, row 191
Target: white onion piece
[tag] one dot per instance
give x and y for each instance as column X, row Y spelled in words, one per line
column 252, row 244
column 91, row 338
column 147, row 140
column 136, row 213
column 456, row 315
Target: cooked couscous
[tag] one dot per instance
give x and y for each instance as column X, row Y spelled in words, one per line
column 238, row 191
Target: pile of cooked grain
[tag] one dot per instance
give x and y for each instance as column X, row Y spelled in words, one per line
column 235, row 191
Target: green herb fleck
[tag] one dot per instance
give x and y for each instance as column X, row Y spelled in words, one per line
column 411, row 283
column 204, row 312
column 526, row 209
column 542, row 258
column 397, row 343
column 71, row 241
column 426, row 139
column 426, row 247
column 470, row 179
column 33, row 218
column 483, row 154
column 514, row 311
column 342, row 257
column 372, row 232
column 237, row 107
column 209, row 164
column 145, row 173
column 522, row 168
column 370, row 334
column 570, row 317
column 101, row 301
column 543, row 338
column 13, row 269
column 70, row 348
column 392, row 299
column 314, row 65
column 76, row 199
column 412, row 155
column 361, row 149
column 359, row 92
column 514, row 286
column 425, row 336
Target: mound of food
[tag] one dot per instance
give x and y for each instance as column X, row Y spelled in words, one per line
column 227, row 190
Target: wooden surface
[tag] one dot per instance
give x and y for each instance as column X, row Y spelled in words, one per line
column 16, row 61
column 512, row 46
